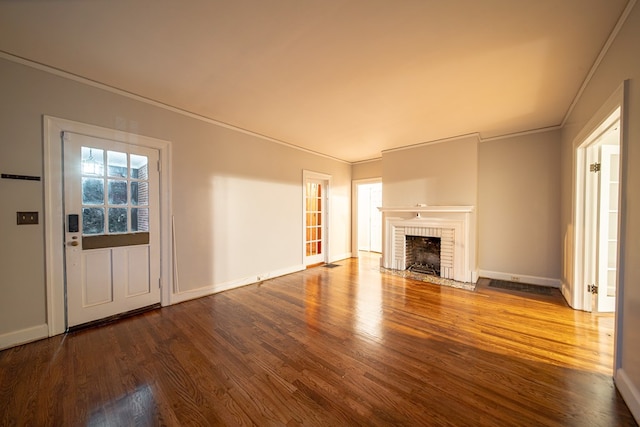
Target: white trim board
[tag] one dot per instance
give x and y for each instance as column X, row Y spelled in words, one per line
column 238, row 283
column 92, row 83
column 630, row 394
column 522, row 278
column 233, row 284
column 23, row 336
column 596, row 64
column 130, row 95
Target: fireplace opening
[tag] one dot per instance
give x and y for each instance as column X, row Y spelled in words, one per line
column 423, row 254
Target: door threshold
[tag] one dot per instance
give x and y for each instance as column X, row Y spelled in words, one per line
column 111, row 319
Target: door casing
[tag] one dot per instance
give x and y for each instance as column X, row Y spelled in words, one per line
column 586, row 213
column 54, row 214
column 576, row 294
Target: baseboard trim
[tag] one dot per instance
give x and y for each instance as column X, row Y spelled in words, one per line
column 523, row 278
column 629, row 392
column 23, row 336
column 232, row 284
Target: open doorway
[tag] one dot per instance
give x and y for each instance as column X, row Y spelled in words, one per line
column 597, row 214
column 368, row 197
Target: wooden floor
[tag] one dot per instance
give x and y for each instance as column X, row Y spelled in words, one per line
column 326, row 347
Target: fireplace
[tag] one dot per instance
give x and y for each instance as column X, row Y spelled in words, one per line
column 453, row 226
column 422, row 254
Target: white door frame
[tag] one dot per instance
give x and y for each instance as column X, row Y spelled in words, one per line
column 604, row 118
column 579, row 298
column 354, row 209
column 589, row 220
column 54, row 212
column 326, row 210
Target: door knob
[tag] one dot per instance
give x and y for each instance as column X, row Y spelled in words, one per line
column 74, row 243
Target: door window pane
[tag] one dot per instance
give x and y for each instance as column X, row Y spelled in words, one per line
column 92, row 191
column 117, row 192
column 139, row 167
column 139, row 193
column 139, row 219
column 92, row 161
column 92, row 220
column 117, row 220
column 117, row 164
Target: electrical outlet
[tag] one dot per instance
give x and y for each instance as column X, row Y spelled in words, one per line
column 515, row 278
column 27, row 218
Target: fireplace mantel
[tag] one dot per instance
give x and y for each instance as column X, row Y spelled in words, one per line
column 426, row 208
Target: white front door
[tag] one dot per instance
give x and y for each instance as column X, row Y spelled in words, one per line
column 607, row 250
column 111, row 211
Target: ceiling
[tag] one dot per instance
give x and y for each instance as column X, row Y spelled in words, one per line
column 345, row 78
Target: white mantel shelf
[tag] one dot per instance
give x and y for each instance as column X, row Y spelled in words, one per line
column 419, row 208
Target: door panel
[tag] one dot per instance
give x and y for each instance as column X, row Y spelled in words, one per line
column 138, row 280
column 113, row 256
column 97, row 283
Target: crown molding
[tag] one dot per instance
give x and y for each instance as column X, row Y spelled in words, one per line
column 70, row 76
column 596, row 64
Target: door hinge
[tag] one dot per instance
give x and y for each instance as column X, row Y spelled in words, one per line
column 592, row 289
column 594, row 167
column 159, row 166
column 160, row 283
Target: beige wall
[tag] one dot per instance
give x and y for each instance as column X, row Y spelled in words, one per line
column 513, row 184
column 621, row 62
column 367, row 170
column 237, row 199
column 519, row 200
column 442, row 173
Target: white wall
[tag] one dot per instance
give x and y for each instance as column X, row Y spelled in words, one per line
column 237, row 198
column 518, row 214
column 621, row 62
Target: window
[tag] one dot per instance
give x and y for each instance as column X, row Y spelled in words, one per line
column 115, row 198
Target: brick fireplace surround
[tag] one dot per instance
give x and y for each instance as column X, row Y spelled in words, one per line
column 454, row 225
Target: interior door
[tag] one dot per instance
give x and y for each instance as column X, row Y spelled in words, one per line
column 315, row 197
column 111, row 205
column 607, row 227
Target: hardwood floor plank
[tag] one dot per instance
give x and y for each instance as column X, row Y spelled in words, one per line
column 341, row 346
